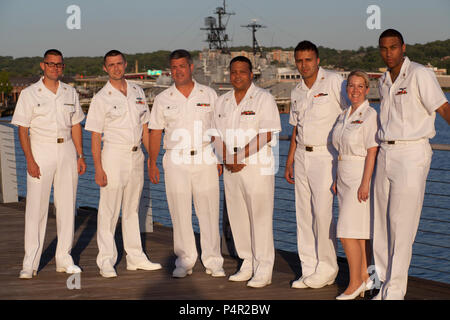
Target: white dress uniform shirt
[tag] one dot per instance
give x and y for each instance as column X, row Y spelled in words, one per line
column 46, row 114
column 354, row 134
column 407, row 116
column 120, row 118
column 314, row 110
column 239, row 124
column 186, row 121
column 407, row 110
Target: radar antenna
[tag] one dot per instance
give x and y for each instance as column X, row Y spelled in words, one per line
column 216, row 37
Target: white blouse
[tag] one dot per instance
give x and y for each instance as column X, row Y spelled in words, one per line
column 354, row 134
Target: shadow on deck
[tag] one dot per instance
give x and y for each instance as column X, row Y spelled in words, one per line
column 153, row 285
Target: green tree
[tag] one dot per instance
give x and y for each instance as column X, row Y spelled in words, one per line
column 5, row 85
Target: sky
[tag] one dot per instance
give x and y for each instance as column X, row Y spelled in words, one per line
column 28, row 28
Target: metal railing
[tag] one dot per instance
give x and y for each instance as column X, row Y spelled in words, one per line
column 431, row 250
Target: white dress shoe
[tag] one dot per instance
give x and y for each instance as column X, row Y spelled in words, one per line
column 354, row 294
column 318, row 281
column 70, row 269
column 299, row 284
column 259, row 282
column 216, row 272
column 27, row 274
column 147, row 265
column 180, row 272
column 108, row 272
column 369, row 284
column 241, row 275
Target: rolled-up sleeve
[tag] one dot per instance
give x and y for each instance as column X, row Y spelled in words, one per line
column 79, row 114
column 370, row 131
column 269, row 120
column 24, row 110
column 95, row 120
column 429, row 89
column 157, row 116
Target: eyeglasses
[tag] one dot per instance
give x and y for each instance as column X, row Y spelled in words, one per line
column 54, row 65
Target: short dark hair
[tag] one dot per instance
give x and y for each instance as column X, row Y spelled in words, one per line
column 180, row 53
column 242, row 59
column 306, row 45
column 53, row 52
column 113, row 53
column 391, row 33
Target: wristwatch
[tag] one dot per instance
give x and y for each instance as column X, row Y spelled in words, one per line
column 80, row 156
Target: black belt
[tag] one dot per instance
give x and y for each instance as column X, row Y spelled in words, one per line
column 193, row 152
column 309, row 148
column 59, row 140
column 390, row 142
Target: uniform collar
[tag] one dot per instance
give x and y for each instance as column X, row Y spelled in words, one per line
column 174, row 90
column 112, row 90
column 248, row 95
column 320, row 76
column 360, row 110
column 42, row 89
column 403, row 72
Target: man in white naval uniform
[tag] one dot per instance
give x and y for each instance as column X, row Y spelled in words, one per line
column 185, row 112
column 316, row 102
column 48, row 114
column 119, row 111
column 246, row 118
column 410, row 96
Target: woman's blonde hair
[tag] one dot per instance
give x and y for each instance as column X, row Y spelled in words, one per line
column 359, row 73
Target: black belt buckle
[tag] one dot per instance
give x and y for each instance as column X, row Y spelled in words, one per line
column 391, row 142
column 59, row 140
column 235, row 149
column 134, row 148
column 193, row 152
column 309, row 149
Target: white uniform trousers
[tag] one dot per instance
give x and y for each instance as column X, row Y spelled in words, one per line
column 399, row 190
column 191, row 178
column 58, row 166
column 125, row 175
column 250, row 197
column 316, row 234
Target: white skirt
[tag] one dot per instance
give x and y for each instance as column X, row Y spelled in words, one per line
column 354, row 216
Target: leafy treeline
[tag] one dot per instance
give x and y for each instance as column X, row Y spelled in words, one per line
column 436, row 53
column 87, row 66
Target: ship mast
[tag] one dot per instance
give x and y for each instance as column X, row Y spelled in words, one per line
column 216, row 37
column 254, row 27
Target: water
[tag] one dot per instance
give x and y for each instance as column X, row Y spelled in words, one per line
column 429, row 261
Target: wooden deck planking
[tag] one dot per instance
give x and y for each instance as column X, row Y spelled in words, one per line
column 152, row 284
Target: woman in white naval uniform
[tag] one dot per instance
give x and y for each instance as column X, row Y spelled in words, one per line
column 354, row 138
